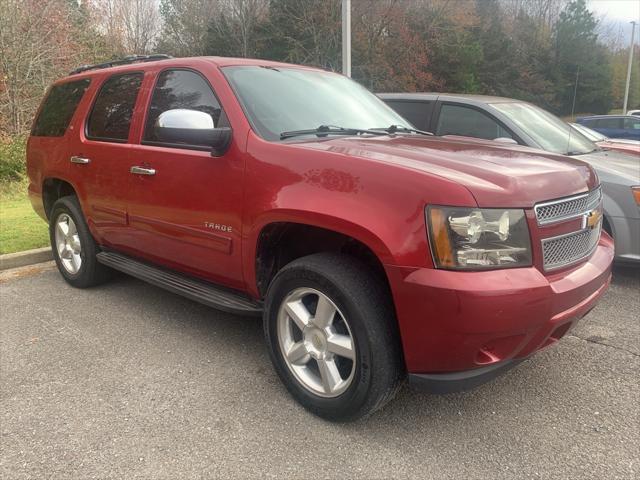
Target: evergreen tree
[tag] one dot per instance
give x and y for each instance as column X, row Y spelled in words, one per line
column 498, row 69
column 579, row 55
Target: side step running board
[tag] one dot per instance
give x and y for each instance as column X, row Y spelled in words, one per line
column 200, row 291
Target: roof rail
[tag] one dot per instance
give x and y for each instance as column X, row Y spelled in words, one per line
column 123, row 61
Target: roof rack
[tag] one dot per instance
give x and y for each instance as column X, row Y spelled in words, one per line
column 123, row 61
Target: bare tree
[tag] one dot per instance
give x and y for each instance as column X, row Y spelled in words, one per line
column 141, row 25
column 543, row 12
column 236, row 23
column 309, row 31
column 37, row 44
column 186, row 25
column 131, row 26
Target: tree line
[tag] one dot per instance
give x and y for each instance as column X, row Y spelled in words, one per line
column 535, row 50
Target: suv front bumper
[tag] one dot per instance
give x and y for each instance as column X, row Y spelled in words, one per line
column 460, row 329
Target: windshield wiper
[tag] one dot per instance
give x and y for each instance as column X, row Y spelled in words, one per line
column 402, row 129
column 324, row 130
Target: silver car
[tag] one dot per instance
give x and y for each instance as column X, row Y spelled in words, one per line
column 514, row 121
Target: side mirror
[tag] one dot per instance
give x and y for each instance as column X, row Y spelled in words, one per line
column 192, row 128
column 507, row 140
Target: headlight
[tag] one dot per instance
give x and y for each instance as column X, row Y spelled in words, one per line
column 478, row 238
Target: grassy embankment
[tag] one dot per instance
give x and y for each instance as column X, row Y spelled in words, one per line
column 20, row 227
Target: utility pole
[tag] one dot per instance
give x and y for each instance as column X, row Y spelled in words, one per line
column 626, row 89
column 346, row 37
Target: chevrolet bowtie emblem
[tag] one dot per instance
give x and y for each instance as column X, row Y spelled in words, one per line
column 591, row 219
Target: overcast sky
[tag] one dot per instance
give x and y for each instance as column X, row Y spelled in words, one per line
column 615, row 16
column 619, row 10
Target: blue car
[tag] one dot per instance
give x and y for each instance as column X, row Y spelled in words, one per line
column 613, row 126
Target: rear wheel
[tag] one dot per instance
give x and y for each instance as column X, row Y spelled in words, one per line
column 329, row 324
column 74, row 249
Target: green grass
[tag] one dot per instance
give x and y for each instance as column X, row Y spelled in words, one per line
column 20, row 227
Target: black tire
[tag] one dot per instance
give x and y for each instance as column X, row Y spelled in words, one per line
column 364, row 301
column 91, row 272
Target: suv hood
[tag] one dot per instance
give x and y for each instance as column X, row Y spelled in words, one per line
column 497, row 175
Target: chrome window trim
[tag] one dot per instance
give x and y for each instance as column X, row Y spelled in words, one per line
column 565, row 200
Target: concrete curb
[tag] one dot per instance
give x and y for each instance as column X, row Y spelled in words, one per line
column 29, row 257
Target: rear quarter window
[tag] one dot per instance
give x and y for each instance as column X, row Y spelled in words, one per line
column 58, row 108
column 468, row 122
column 418, row 113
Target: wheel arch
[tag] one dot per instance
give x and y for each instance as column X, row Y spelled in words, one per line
column 54, row 188
column 286, row 237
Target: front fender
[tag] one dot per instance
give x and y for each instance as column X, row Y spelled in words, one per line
column 378, row 204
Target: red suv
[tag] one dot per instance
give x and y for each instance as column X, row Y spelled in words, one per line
column 372, row 251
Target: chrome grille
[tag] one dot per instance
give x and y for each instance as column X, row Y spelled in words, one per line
column 567, row 249
column 566, row 208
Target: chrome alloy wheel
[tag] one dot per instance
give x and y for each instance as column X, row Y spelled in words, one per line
column 68, row 243
column 316, row 342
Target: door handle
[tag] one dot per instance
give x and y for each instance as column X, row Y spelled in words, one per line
column 80, row 160
column 143, row 171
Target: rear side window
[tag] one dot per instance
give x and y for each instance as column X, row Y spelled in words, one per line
column 631, row 124
column 468, row 122
column 416, row 113
column 58, row 108
column 608, row 123
column 110, row 117
column 182, row 89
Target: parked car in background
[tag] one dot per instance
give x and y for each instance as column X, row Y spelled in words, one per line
column 631, row 147
column 372, row 251
column 634, row 112
column 613, row 126
column 509, row 120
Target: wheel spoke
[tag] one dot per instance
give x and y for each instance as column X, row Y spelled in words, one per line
column 77, row 261
column 298, row 313
column 62, row 228
column 325, row 311
column 298, row 354
column 72, row 230
column 329, row 374
column 341, row 345
column 75, row 243
column 66, row 254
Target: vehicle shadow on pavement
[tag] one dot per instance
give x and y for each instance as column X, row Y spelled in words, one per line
column 521, row 388
column 131, row 371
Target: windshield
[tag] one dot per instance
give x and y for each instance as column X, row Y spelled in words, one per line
column 282, row 99
column 547, row 130
column 590, row 134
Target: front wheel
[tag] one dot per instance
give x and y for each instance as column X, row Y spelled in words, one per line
column 330, row 328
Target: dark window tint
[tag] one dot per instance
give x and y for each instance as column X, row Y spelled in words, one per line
column 58, row 108
column 112, row 111
column 608, row 123
column 417, row 113
column 182, row 89
column 469, row 122
column 631, row 124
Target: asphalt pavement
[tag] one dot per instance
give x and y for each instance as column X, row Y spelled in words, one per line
column 128, row 381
